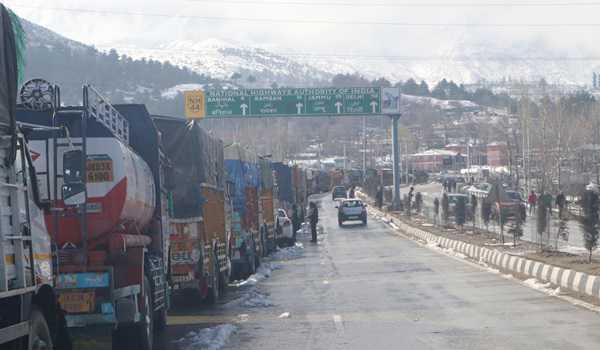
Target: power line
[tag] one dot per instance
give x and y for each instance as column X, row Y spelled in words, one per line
column 314, row 21
column 406, row 4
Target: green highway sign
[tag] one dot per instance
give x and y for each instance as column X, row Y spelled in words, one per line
column 299, row 102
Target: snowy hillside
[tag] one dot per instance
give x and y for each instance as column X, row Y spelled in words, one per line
column 464, row 60
column 253, row 67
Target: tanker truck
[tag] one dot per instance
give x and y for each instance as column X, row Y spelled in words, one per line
column 245, row 242
column 198, row 242
column 104, row 183
column 30, row 317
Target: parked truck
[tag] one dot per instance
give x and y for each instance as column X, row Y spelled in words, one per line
column 245, row 244
column 198, row 238
column 283, row 180
column 267, row 205
column 30, row 316
column 103, row 183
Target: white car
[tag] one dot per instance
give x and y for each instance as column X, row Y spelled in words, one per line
column 352, row 209
column 285, row 223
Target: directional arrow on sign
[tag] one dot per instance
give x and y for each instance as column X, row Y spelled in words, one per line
column 244, row 107
column 299, row 106
column 374, row 106
column 339, row 105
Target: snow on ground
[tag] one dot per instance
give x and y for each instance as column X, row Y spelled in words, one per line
column 212, row 338
column 264, row 271
column 543, row 287
column 289, row 253
column 253, row 298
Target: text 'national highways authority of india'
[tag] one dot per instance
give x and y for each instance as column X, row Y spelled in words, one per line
column 293, row 102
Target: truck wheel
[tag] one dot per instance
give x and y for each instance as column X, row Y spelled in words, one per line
column 213, row 292
column 39, row 337
column 160, row 319
column 252, row 264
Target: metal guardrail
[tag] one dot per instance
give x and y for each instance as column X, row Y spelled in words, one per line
column 102, row 111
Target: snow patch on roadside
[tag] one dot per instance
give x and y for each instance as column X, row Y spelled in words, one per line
column 263, row 272
column 253, row 298
column 289, row 253
column 543, row 287
column 213, row 338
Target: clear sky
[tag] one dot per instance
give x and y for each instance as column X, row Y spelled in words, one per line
column 366, row 27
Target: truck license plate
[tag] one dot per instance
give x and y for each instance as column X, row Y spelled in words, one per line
column 77, row 302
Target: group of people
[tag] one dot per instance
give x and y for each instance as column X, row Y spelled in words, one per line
column 450, row 185
column 544, row 200
column 298, row 218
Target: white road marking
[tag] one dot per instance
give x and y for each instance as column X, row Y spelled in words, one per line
column 325, row 282
column 339, row 324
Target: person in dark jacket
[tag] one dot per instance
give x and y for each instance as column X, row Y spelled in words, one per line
column 296, row 220
column 561, row 202
column 313, row 216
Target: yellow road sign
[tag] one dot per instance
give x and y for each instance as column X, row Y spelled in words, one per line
column 195, row 104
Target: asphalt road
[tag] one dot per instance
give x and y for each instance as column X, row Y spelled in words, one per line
column 366, row 287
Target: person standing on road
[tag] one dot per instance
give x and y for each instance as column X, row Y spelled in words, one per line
column 436, row 210
column 296, row 220
column 561, row 202
column 532, row 201
column 352, row 192
column 546, row 202
column 313, row 215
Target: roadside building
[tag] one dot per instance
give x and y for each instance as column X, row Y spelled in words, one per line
column 436, row 160
column 497, row 154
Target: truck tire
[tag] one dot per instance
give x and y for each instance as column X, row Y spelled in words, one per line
column 252, row 264
column 39, row 337
column 160, row 319
column 213, row 292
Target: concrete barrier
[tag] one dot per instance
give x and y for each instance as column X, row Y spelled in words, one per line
column 578, row 282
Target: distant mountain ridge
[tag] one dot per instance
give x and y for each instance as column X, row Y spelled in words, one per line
column 464, row 60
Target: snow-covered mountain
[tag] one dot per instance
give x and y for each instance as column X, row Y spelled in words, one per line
column 465, row 60
column 244, row 65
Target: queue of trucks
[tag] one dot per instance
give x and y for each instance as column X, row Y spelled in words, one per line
column 107, row 212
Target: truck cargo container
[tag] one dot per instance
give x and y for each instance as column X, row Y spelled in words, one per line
column 29, row 311
column 104, row 186
column 245, row 243
column 198, row 236
column 283, row 180
column 299, row 185
column 267, row 206
column 324, row 182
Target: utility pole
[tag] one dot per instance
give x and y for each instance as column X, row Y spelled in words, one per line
column 396, row 164
column 364, row 160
